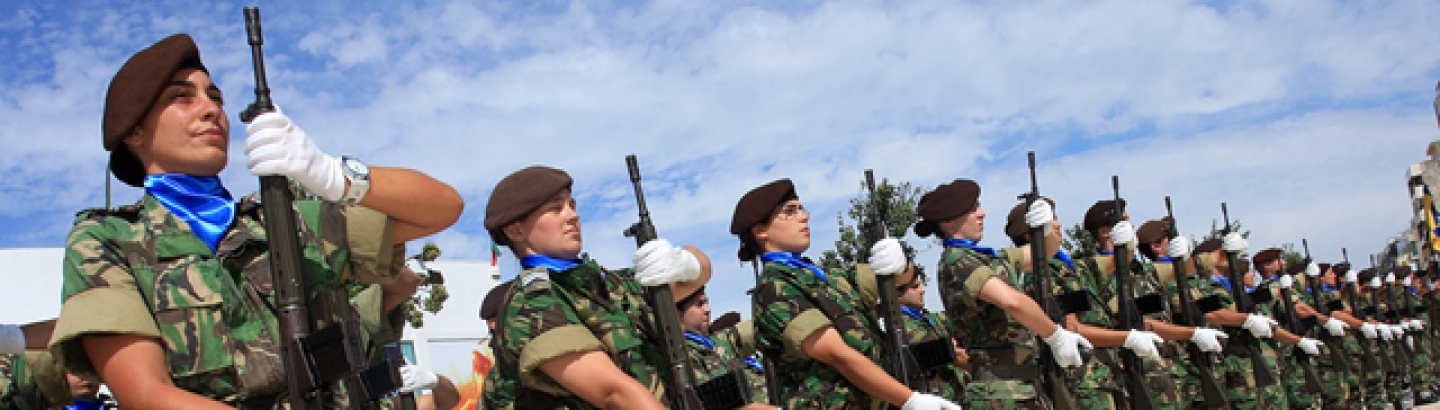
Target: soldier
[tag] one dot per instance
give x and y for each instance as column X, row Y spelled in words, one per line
column 495, row 301
column 1218, row 306
column 572, row 333
column 721, row 348
column 1269, row 268
column 922, row 326
column 1157, row 247
column 1341, row 383
column 168, row 300
column 34, row 381
column 997, row 323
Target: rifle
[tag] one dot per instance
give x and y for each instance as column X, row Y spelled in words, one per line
column 1243, row 339
column 728, row 393
column 1214, row 394
column 772, row 373
column 902, row 364
column 1129, row 315
column 1368, row 360
column 1405, row 354
column 1332, row 343
column 313, row 360
column 1305, row 360
column 1052, row 377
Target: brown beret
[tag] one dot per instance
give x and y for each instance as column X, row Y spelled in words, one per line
column 1098, row 214
column 134, row 90
column 1323, row 267
column 725, row 321
column 946, row 202
column 1363, row 277
column 1153, row 230
column 756, row 205
column 1015, row 226
column 1265, row 256
column 521, row 193
column 679, row 291
column 495, row 300
column 1207, row 246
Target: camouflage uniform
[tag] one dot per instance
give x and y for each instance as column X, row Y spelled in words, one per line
column 1278, row 393
column 1003, row 365
column 581, row 309
column 32, row 381
column 1375, row 392
column 139, row 270
column 790, row 304
column 1340, row 381
column 1163, row 377
column 1096, row 383
column 1394, row 381
column 1190, row 386
column 731, row 346
column 1295, row 392
column 1238, row 374
column 945, row 380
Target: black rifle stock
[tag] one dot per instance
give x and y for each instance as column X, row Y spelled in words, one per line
column 901, row 365
column 1369, row 357
column 1333, row 344
column 1052, row 377
column 683, row 394
column 1244, row 339
column 1212, row 392
column 1129, row 314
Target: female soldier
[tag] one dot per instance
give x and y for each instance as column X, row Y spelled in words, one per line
column 819, row 326
column 985, row 309
column 169, row 300
column 573, row 334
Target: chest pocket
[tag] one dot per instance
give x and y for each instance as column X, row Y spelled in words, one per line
column 608, row 318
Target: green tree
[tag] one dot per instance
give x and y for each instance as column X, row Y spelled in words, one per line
column 1077, row 242
column 1217, row 233
column 853, row 246
column 431, row 295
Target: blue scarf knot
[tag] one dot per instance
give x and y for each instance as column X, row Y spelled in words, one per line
column 1106, row 252
column 202, row 202
column 793, row 260
column 1065, row 257
column 548, row 262
column 90, row 404
column 1327, row 288
column 754, row 363
column 916, row 313
column 972, row 245
column 1222, row 280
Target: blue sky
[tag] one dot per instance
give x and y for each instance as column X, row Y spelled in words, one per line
column 1302, row 115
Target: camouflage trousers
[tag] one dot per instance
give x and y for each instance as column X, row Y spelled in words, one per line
column 1372, row 381
column 1296, row 394
column 1340, row 383
column 1094, row 385
column 1190, row 385
column 1002, row 394
column 1164, row 379
column 1243, row 393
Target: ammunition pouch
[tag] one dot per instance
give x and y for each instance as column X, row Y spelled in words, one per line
column 1075, row 302
column 327, row 356
column 1210, row 304
column 1149, row 304
column 726, row 392
column 933, row 354
column 375, row 382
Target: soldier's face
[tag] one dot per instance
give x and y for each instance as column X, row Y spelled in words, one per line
column 968, row 226
column 186, row 131
column 912, row 294
column 696, row 317
column 788, row 230
column 553, row 229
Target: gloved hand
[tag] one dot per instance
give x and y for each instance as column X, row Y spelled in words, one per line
column 1407, row 281
column 1312, row 270
column 416, row 378
column 1352, row 276
column 926, row 401
column 1384, row 331
column 659, row 263
column 1144, row 344
column 1310, row 346
column 887, row 257
column 1336, row 327
column 1040, row 215
column 12, row 340
column 1260, row 326
column 1179, row 247
column 1369, row 330
column 1286, row 281
column 1234, row 242
column 1123, row 234
column 1417, row 324
column 277, row 147
column 1375, row 282
column 1390, row 278
column 1397, row 331
column 1065, row 345
column 1208, row 340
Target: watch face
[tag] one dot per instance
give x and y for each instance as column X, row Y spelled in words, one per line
column 356, row 167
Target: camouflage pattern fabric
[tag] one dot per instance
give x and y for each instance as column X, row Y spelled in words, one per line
column 1237, row 373
column 140, row 270
column 32, row 381
column 727, row 356
column 1162, row 376
column 1339, row 381
column 1189, row 381
column 1270, row 348
column 994, row 340
column 791, row 304
column 1375, row 391
column 552, row 314
column 1095, row 384
column 944, row 380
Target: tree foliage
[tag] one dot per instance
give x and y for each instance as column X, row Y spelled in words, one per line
column 431, row 295
column 856, row 230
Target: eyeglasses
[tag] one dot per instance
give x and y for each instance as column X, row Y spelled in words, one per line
column 792, row 211
column 907, row 287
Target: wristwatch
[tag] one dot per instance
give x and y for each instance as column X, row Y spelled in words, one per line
column 359, row 175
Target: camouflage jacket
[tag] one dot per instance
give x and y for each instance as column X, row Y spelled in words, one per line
column 32, row 381
column 945, row 380
column 790, row 305
column 1094, row 374
column 1148, row 292
column 140, row 270
column 553, row 314
column 991, row 335
column 731, row 347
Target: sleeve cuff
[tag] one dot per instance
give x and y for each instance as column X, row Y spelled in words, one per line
column 869, row 286
column 555, row 343
column 371, row 236
column 800, row 328
column 745, row 332
column 976, row 282
column 98, row 311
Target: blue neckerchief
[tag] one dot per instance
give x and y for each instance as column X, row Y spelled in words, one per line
column 754, row 363
column 202, row 202
column 1327, row 288
column 1065, row 257
column 1249, row 289
column 966, row 243
column 548, row 262
column 700, row 339
column 916, row 313
column 1164, row 259
column 91, row 404
column 1412, row 290
column 1224, row 281
column 1106, row 252
column 793, row 260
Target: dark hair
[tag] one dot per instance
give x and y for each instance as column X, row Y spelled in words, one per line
column 749, row 247
column 1145, row 249
column 926, row 228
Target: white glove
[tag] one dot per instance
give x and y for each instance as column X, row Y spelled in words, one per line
column 1123, row 234
column 416, row 378
column 1260, row 326
column 1369, row 330
column 1352, row 276
column 1208, row 340
column 1390, row 278
column 12, row 340
column 1312, row 270
column 1310, row 346
column 1336, row 327
column 1397, row 331
column 1144, row 344
column 1179, row 247
column 1375, row 282
column 1407, row 281
column 277, row 147
column 1410, row 342
column 887, row 257
column 1235, row 243
column 1065, row 345
column 659, row 263
column 1286, row 281
column 1417, row 324
column 1384, row 331
column 1432, row 285
column 1040, row 215
column 926, row 401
